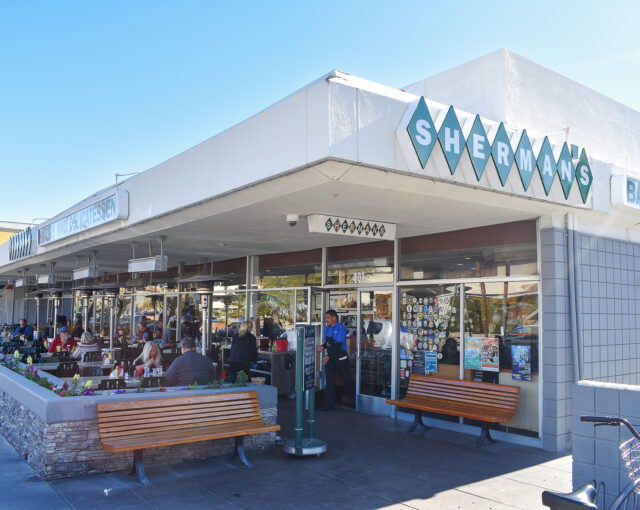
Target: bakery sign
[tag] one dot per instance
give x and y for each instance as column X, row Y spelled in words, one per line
column 435, row 139
column 355, row 227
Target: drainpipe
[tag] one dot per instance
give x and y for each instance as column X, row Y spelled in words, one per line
column 574, row 298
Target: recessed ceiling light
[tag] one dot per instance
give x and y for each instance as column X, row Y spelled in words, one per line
column 461, row 264
column 222, row 244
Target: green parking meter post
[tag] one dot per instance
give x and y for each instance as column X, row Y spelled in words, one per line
column 305, row 381
column 311, row 414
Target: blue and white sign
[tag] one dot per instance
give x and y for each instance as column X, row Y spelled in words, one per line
column 625, row 191
column 111, row 208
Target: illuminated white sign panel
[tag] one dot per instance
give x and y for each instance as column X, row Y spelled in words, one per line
column 114, row 207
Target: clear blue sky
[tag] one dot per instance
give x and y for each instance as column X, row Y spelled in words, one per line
column 91, row 88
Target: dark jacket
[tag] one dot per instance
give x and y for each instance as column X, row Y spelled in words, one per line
column 77, row 332
column 244, row 349
column 185, row 369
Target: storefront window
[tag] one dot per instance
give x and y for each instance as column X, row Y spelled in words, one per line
column 429, row 332
column 123, row 315
column 501, row 343
column 498, row 344
column 171, row 319
column 498, row 250
column 191, row 316
column 376, row 340
column 296, row 269
column 360, row 263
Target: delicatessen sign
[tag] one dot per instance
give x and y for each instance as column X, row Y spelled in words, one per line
column 114, row 207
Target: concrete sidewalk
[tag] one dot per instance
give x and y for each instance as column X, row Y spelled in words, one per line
column 371, row 463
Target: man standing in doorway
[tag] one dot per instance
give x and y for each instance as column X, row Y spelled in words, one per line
column 336, row 359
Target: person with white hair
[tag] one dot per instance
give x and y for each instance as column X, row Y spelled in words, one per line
column 150, row 357
column 87, row 344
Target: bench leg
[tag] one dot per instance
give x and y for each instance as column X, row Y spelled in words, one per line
column 138, row 467
column 484, row 434
column 416, row 420
column 239, row 451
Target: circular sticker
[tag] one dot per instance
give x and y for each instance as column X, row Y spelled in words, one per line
column 435, row 299
column 439, row 355
column 414, row 299
column 404, row 323
column 410, row 363
column 404, row 315
column 415, row 324
column 433, row 348
column 431, row 324
column 420, row 301
column 426, row 308
column 419, row 345
column 453, row 309
column 404, row 300
column 409, row 308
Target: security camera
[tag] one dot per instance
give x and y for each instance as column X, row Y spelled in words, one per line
column 292, row 219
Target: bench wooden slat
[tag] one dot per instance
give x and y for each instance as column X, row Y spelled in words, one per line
column 128, row 417
column 468, row 399
column 468, row 411
column 165, row 424
column 167, row 401
column 135, row 425
column 178, row 408
column 193, row 434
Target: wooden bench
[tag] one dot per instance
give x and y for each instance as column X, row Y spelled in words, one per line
column 485, row 402
column 140, row 424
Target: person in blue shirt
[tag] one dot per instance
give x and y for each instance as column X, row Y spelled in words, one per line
column 24, row 329
column 336, row 360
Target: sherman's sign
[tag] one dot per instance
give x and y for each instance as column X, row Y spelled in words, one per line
column 435, row 141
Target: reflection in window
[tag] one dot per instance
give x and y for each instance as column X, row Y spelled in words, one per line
column 360, row 263
column 497, row 250
column 296, row 269
column 506, row 314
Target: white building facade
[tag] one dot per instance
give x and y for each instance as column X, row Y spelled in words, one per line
column 479, row 224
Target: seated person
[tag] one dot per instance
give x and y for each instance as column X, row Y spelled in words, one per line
column 144, row 331
column 150, row 357
column 63, row 340
column 76, row 334
column 87, row 344
column 190, row 366
column 24, row 329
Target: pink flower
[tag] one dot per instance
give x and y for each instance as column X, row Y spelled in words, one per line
column 162, row 389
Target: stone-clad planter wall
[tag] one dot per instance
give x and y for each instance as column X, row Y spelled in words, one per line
column 59, row 436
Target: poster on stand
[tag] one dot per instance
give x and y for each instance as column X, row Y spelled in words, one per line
column 472, row 348
column 430, row 362
column 521, row 362
column 490, row 360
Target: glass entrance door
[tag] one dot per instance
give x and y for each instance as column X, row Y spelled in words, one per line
column 374, row 349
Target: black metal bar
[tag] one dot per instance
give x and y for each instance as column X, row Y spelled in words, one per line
column 138, row 467
column 421, row 422
column 484, row 431
column 489, row 435
column 416, row 419
column 239, row 451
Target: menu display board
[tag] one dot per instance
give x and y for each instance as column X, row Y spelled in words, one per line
column 309, row 349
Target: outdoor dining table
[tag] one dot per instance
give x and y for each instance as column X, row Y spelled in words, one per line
column 130, row 383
